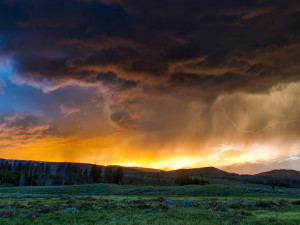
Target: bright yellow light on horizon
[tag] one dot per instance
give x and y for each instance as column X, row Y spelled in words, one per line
column 96, row 150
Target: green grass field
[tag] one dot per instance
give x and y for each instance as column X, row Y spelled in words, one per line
column 117, row 204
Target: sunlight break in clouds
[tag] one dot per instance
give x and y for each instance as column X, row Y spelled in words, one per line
column 164, row 84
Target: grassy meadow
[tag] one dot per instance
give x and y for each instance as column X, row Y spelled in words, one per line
column 128, row 204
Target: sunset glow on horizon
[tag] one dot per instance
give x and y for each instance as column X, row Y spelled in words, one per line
column 158, row 84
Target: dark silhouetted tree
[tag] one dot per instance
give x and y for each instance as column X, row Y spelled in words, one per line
column 108, row 174
column 119, row 175
column 95, row 174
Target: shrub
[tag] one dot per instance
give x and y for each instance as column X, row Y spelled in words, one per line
column 221, row 207
column 17, row 205
column 44, row 209
column 84, row 205
column 6, row 213
column 31, row 214
column 72, row 210
column 70, row 202
column 87, row 198
column 283, row 202
column 296, row 202
column 64, row 197
column 236, row 203
column 139, row 201
column 160, row 199
column 233, row 222
column 164, row 207
column 215, row 216
column 34, row 203
column 241, row 213
column 144, row 206
column 264, row 204
column 213, row 203
column 55, row 206
column 217, row 206
column 9, row 177
column 245, row 213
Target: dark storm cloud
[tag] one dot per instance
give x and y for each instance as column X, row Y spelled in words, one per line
column 204, row 47
column 22, row 123
column 76, row 39
column 21, row 128
column 119, row 116
column 194, row 50
column 107, row 56
column 110, row 79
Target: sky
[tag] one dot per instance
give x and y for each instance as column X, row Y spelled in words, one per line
column 164, row 84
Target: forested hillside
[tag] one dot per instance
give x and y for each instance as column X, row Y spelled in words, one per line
column 31, row 173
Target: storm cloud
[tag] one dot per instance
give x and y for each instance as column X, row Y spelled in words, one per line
column 150, row 76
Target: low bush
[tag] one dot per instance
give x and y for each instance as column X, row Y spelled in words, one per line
column 17, row 205
column 144, row 206
column 84, row 205
column 7, row 213
column 233, row 222
column 221, row 207
column 44, row 209
column 264, row 204
column 160, row 199
column 296, row 202
column 72, row 210
column 283, row 202
column 164, row 208
column 32, row 214
column 236, row 203
column 86, row 198
column 217, row 206
column 241, row 213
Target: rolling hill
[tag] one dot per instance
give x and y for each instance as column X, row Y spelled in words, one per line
column 281, row 174
column 203, row 172
column 287, row 178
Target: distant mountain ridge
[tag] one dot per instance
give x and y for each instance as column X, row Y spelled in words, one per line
column 260, row 167
column 88, row 166
column 290, row 174
column 204, row 172
column 210, row 172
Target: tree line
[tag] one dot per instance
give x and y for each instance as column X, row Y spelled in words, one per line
column 40, row 174
column 271, row 181
column 185, row 179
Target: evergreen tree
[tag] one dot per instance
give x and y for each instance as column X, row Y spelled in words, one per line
column 119, row 175
column 95, row 174
column 108, row 174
